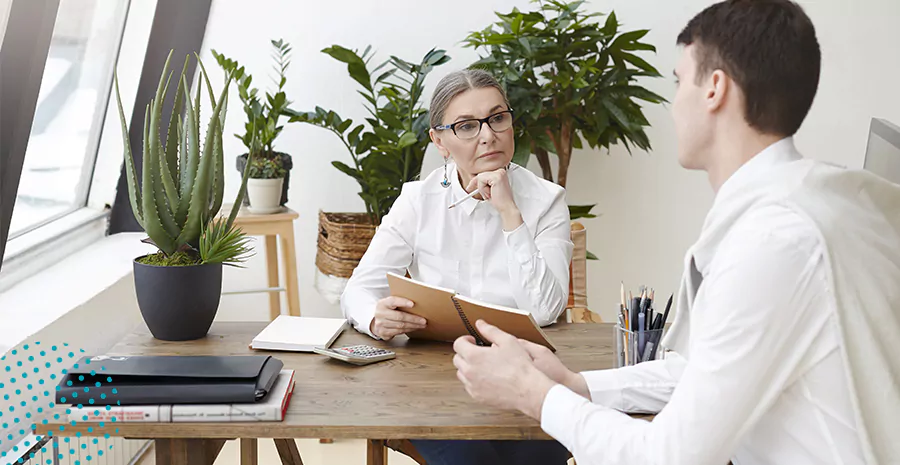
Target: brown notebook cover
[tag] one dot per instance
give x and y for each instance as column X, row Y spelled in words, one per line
column 450, row 315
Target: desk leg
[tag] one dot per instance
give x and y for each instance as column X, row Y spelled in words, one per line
column 287, row 450
column 188, row 451
column 249, row 451
column 272, row 265
column 376, row 452
column 290, row 273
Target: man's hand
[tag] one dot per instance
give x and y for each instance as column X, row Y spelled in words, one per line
column 502, row 375
column 550, row 365
column 390, row 320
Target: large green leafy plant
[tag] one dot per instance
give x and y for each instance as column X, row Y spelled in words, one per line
column 182, row 184
column 572, row 81
column 388, row 150
column 262, row 116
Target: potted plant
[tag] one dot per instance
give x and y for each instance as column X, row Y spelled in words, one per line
column 177, row 204
column 572, row 81
column 262, row 128
column 264, row 188
column 386, row 151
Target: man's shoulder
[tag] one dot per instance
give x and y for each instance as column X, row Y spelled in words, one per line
column 773, row 228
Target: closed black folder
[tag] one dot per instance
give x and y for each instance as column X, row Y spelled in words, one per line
column 176, row 379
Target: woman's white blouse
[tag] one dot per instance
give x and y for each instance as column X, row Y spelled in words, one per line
column 465, row 248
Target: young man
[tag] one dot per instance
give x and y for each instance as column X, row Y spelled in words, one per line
column 785, row 344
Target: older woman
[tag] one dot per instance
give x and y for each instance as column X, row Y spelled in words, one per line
column 509, row 245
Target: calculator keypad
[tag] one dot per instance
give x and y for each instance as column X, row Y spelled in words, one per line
column 362, row 351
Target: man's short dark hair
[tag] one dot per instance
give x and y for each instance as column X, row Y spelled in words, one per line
column 769, row 48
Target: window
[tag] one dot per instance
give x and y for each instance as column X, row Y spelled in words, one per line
column 70, row 111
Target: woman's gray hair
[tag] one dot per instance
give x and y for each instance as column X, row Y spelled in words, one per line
column 456, row 83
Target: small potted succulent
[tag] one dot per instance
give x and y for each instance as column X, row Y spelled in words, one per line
column 264, row 187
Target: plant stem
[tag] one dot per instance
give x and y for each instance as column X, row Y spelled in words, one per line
column 544, row 159
column 564, row 151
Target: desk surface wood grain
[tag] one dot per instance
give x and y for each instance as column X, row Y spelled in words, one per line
column 416, row 395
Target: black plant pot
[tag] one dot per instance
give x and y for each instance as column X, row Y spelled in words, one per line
column 178, row 303
column 286, row 162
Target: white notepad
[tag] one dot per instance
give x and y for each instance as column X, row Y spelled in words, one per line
column 298, row 333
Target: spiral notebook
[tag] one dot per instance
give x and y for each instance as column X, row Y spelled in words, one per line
column 450, row 315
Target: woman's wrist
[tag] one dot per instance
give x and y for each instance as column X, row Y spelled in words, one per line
column 511, row 218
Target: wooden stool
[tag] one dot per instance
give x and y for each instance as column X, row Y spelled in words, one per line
column 273, row 226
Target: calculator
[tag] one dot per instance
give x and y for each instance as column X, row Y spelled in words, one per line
column 358, row 354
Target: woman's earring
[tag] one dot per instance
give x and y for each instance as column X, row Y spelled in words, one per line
column 446, row 182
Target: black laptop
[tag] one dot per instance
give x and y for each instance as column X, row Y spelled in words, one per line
column 176, row 379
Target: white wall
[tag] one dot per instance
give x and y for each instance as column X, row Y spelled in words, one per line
column 651, row 208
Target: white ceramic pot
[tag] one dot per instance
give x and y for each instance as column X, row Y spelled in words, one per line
column 264, row 195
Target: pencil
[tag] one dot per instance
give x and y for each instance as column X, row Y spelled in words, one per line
column 475, row 192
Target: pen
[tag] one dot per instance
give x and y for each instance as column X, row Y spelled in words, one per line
column 635, row 309
column 620, row 349
column 474, row 192
column 656, row 336
column 666, row 314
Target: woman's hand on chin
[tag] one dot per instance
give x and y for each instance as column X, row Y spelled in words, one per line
column 494, row 187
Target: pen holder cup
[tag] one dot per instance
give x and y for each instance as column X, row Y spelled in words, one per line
column 633, row 347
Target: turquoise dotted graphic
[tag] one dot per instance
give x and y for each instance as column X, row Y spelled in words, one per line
column 11, row 369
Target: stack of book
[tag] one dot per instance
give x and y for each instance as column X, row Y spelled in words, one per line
column 169, row 389
column 271, row 408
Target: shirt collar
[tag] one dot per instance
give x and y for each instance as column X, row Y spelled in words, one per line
column 778, row 153
column 468, row 205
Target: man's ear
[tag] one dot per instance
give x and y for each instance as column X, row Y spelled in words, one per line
column 436, row 138
column 717, row 90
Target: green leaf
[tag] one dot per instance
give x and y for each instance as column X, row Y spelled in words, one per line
column 224, row 243
column 637, row 46
column 590, row 255
column 353, row 137
column 522, row 154
column 639, row 62
column 386, row 134
column 517, row 25
column 617, row 114
column 343, row 126
column 342, row 54
column 390, row 119
column 359, row 74
column 406, row 140
column 157, row 159
column 152, row 223
column 576, row 142
column 628, row 37
column 638, row 92
column 342, row 167
column 130, row 176
column 611, row 26
column 190, row 157
column 200, row 193
column 172, row 132
column 581, row 211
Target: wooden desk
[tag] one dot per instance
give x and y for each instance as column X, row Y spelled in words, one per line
column 415, row 396
column 272, row 227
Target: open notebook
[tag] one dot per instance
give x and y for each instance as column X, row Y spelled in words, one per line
column 450, row 315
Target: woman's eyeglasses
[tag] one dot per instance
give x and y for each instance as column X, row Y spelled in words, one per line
column 470, row 128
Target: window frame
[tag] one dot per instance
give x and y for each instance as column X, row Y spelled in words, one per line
column 83, row 187
column 150, row 29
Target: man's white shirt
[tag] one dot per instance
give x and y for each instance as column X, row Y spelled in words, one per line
column 764, row 380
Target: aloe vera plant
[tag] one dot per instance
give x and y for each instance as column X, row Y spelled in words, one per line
column 182, row 184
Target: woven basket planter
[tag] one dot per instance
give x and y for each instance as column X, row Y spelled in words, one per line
column 342, row 241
